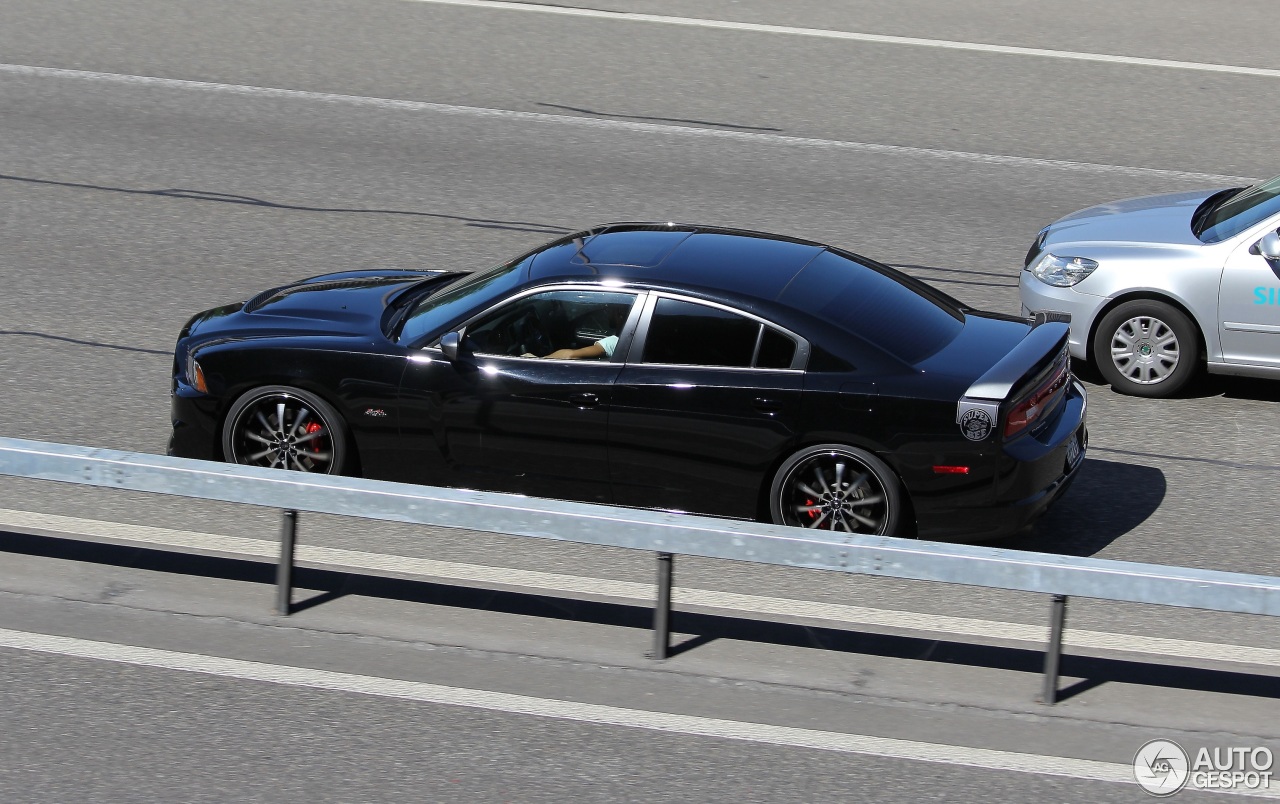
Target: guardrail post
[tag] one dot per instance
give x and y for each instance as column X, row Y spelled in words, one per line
column 662, row 611
column 284, row 570
column 1057, row 619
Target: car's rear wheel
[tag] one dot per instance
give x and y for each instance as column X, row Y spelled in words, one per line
column 836, row 487
column 285, row 428
column 1147, row 348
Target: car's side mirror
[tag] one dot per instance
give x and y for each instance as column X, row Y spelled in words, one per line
column 449, row 344
column 1269, row 246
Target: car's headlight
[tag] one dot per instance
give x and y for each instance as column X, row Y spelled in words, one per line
column 195, row 374
column 1062, row 272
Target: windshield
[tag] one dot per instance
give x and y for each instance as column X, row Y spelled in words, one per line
column 471, row 291
column 1240, row 211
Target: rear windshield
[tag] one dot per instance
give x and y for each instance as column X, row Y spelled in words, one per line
column 1240, row 211
column 878, row 307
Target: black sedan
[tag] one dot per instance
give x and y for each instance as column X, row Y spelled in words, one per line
column 668, row 366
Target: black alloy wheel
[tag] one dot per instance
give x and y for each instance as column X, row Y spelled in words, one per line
column 284, row 428
column 839, row 488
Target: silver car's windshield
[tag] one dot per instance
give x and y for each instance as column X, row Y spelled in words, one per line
column 1238, row 212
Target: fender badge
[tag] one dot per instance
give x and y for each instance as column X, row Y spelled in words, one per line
column 976, row 424
column 376, row 412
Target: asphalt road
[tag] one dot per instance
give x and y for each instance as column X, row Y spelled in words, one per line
column 158, row 158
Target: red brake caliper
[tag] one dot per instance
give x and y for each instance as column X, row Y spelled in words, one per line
column 314, row 427
column 812, row 513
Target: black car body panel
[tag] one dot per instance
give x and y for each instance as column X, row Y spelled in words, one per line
column 847, row 352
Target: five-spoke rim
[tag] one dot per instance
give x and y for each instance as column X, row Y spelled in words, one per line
column 834, row 491
column 281, row 431
column 1145, row 350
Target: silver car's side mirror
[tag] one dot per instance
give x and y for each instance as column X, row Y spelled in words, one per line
column 449, row 344
column 1269, row 246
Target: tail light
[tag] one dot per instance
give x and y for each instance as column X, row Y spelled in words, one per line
column 1034, row 405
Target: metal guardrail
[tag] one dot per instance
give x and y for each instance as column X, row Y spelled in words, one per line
column 667, row 534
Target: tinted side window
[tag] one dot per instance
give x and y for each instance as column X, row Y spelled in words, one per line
column 776, row 350
column 543, row 323
column 696, row 335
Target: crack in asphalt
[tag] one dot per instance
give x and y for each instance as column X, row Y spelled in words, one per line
column 247, row 200
column 616, row 116
column 79, row 342
column 1259, row 467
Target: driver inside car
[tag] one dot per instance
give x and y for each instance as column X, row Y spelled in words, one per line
column 601, row 348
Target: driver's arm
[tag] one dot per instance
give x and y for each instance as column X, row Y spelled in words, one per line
column 594, row 350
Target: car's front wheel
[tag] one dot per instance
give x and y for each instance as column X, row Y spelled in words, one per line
column 1147, row 348
column 284, row 428
column 836, row 487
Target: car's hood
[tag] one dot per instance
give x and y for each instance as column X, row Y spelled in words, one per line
column 1151, row 220
column 350, row 303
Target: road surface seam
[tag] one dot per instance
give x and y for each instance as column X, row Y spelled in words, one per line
column 618, row 125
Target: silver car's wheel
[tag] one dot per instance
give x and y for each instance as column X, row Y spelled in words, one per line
column 836, row 487
column 1146, row 348
column 284, row 428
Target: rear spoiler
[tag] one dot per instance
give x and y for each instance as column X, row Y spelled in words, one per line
column 1039, row 348
column 979, row 409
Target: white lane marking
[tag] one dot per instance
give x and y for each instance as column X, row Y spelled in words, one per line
column 983, row 758
column 620, row 125
column 601, row 587
column 823, row 33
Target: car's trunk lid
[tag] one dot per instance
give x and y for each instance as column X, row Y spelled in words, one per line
column 1021, row 390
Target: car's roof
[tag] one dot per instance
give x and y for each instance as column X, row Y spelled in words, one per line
column 794, row 282
column 731, row 260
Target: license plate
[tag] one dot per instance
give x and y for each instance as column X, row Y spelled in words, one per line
column 1073, row 450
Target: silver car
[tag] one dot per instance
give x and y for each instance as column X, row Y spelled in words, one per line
column 1156, row 288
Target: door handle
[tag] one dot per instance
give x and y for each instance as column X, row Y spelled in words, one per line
column 584, row 400
column 766, row 405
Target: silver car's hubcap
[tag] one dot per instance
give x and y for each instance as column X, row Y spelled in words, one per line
column 832, row 491
column 281, row 432
column 1144, row 350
